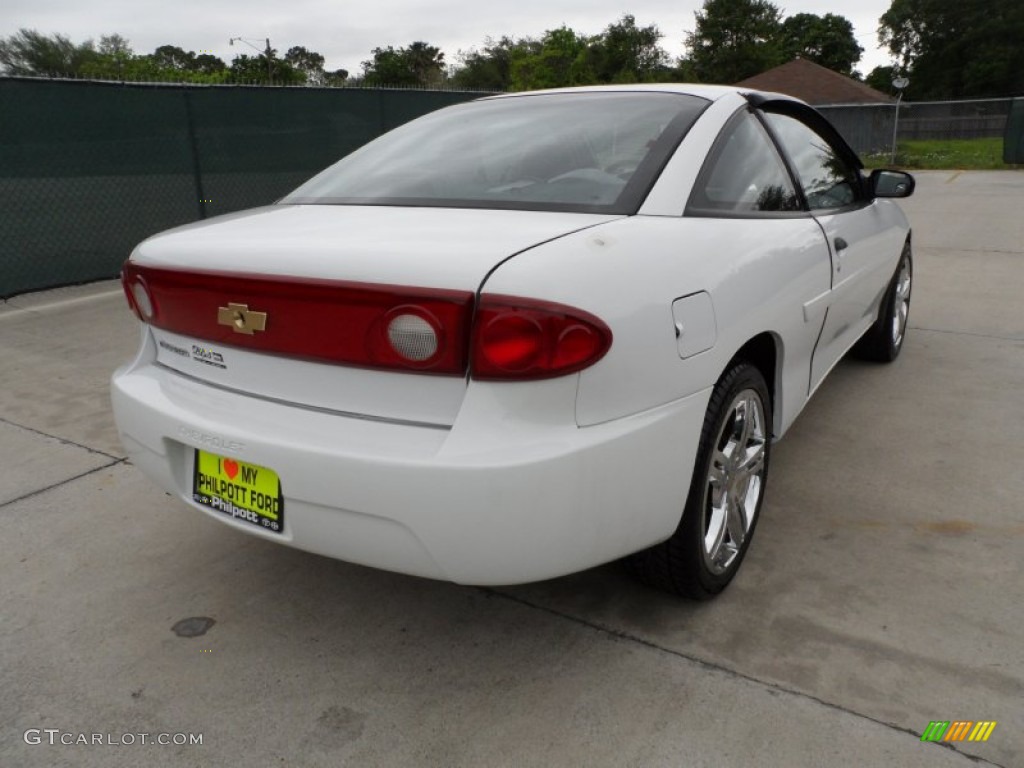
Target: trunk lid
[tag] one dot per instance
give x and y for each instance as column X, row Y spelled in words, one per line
column 298, row 266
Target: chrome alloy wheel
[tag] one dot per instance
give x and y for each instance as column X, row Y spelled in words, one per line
column 735, row 481
column 901, row 303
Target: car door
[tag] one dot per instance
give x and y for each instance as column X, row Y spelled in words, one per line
column 860, row 241
column 770, row 261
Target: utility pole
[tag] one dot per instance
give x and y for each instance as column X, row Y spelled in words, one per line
column 266, row 52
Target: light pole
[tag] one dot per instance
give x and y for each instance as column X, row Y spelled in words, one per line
column 270, row 75
column 899, row 83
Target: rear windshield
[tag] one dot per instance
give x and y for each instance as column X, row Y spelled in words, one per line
column 585, row 152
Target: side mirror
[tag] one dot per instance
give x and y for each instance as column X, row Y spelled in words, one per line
column 892, row 184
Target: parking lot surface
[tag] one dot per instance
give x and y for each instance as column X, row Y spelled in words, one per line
column 883, row 589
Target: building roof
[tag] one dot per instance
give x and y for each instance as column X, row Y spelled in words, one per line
column 814, row 84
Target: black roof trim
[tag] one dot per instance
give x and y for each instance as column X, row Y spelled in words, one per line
column 806, row 114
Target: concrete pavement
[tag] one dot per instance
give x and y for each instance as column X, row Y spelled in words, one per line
column 883, row 590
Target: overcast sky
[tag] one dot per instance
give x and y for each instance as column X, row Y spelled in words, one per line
column 345, row 33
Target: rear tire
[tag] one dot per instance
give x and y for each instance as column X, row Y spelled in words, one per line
column 884, row 340
column 726, row 491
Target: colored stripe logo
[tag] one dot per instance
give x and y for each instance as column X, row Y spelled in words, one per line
column 958, row 730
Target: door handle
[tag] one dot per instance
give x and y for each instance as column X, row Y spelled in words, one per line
column 841, row 245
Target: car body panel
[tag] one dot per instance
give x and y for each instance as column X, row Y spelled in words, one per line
column 427, row 247
column 873, row 235
column 545, row 499
column 629, row 272
column 669, row 195
column 358, row 392
column 377, row 245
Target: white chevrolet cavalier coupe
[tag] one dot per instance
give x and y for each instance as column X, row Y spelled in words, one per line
column 521, row 336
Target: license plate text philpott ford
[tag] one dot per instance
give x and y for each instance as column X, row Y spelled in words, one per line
column 245, row 492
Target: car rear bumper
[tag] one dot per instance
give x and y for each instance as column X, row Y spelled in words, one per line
column 509, row 494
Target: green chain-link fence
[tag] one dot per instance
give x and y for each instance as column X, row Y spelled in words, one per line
column 87, row 170
column 1013, row 141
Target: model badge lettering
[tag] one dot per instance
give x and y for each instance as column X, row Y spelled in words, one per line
column 208, row 356
column 180, row 351
column 204, row 439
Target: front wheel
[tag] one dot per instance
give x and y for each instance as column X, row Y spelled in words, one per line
column 726, row 491
column 884, row 340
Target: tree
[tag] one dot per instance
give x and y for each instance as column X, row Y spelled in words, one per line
column 168, row 63
column 208, row 64
column 125, row 68
column 626, row 53
column 112, row 61
column 734, row 40
column 115, row 45
column 309, row 63
column 31, row 53
column 682, row 72
column 826, row 40
column 880, row 78
column 388, row 67
column 419, row 64
column 968, row 49
column 28, row 52
column 173, row 57
column 622, row 53
column 254, row 69
column 555, row 62
column 490, row 69
column 426, row 62
column 249, row 69
column 336, row 78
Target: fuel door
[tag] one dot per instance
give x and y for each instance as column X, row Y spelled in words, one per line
column 696, row 329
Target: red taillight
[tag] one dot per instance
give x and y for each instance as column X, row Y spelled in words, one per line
column 516, row 339
column 140, row 300
column 363, row 324
column 380, row 326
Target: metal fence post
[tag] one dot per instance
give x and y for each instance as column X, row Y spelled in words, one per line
column 899, row 83
column 197, row 170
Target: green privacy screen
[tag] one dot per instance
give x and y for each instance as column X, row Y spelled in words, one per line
column 87, row 170
column 1013, row 142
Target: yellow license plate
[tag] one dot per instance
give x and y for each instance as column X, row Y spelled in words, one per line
column 243, row 491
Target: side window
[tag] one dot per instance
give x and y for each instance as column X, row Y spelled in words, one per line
column 827, row 180
column 743, row 174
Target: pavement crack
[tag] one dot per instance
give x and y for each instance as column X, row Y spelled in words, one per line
column 620, row 634
column 971, row 250
column 79, row 476
column 966, row 333
column 62, row 440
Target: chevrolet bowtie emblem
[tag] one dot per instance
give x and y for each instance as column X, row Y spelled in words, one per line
column 241, row 318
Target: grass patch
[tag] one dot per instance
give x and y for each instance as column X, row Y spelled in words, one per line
column 944, row 154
